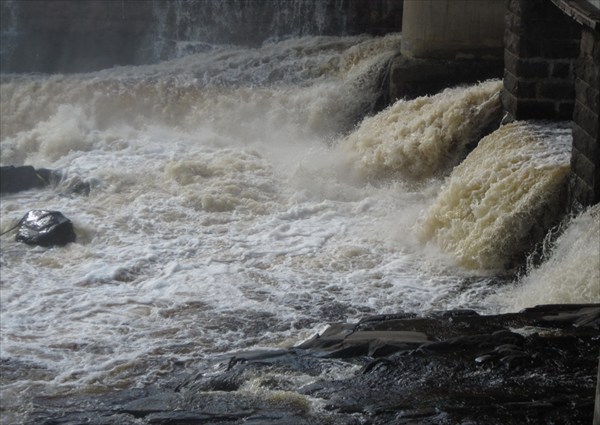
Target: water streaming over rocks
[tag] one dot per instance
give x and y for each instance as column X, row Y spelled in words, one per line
column 236, row 202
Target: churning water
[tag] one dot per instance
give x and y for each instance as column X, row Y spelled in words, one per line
column 236, row 202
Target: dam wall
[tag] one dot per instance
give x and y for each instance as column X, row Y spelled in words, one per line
column 452, row 29
column 80, row 36
column 540, row 54
column 447, row 43
column 585, row 159
column 63, row 36
column 547, row 50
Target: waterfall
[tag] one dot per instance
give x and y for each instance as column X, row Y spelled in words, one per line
column 571, row 272
column 502, row 197
column 424, row 137
column 186, row 26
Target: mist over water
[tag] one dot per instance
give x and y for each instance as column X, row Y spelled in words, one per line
column 238, row 199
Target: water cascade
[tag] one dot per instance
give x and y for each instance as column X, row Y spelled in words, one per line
column 494, row 202
column 185, row 26
column 570, row 272
column 425, row 137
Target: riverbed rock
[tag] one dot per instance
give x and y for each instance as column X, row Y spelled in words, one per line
column 19, row 178
column 45, row 228
column 537, row 366
column 16, row 179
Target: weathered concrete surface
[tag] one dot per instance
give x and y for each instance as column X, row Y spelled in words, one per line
column 452, row 29
column 585, row 159
column 541, row 49
column 79, row 36
column 409, row 78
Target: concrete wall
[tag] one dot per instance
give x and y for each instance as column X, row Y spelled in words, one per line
column 85, row 35
column 66, row 35
column 453, row 29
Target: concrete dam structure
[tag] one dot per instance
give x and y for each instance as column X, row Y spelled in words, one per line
column 459, row 29
column 81, row 36
column 551, row 63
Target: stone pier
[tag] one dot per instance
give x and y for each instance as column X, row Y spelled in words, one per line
column 552, row 71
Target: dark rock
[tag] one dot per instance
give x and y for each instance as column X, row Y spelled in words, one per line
column 45, row 228
column 16, row 179
column 75, row 186
column 157, row 403
column 536, row 367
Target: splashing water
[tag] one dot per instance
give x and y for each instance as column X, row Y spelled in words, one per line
column 232, row 207
column 489, row 205
column 571, row 272
column 424, row 137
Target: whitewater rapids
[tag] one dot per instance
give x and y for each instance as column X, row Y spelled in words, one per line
column 237, row 200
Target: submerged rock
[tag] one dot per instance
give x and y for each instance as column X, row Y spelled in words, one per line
column 45, row 228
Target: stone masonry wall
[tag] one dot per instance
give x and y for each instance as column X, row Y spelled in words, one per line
column 585, row 159
column 541, row 45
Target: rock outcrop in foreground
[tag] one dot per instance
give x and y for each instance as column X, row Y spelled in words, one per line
column 537, row 367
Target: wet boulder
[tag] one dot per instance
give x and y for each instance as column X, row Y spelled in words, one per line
column 45, row 228
column 15, row 179
column 19, row 178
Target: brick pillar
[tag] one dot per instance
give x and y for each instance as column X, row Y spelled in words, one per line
column 585, row 159
column 541, row 45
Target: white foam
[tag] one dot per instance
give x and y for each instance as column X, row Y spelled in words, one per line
column 490, row 202
column 571, row 272
column 220, row 216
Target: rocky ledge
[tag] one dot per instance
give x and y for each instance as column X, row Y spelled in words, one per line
column 538, row 366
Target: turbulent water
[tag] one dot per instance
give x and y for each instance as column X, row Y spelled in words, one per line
column 494, row 198
column 233, row 204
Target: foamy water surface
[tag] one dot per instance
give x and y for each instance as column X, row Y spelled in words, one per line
column 231, row 206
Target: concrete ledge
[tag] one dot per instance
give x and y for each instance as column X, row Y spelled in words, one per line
column 413, row 77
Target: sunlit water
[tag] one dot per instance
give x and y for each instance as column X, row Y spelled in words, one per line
column 234, row 204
